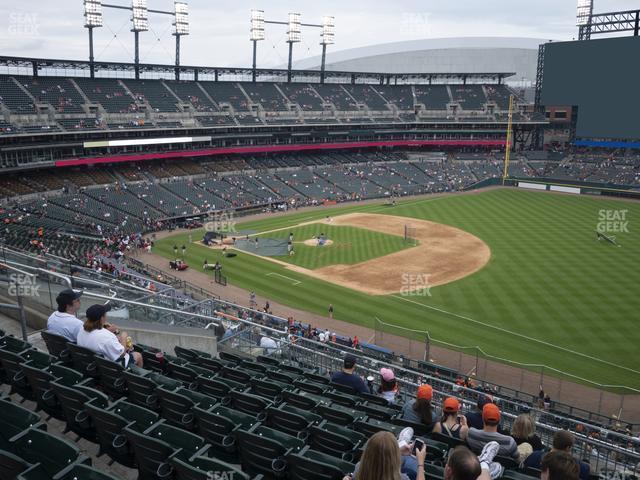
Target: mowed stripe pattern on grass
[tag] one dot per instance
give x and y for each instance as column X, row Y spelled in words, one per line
column 350, row 245
column 548, row 279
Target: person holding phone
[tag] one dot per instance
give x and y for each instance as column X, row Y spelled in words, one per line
column 382, row 459
column 453, row 423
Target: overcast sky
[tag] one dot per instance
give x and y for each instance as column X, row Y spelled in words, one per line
column 219, row 28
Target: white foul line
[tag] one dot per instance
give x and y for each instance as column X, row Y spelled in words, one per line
column 517, row 334
column 295, row 282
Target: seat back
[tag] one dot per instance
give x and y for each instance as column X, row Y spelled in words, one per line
column 10, row 365
column 52, row 452
column 111, row 377
column 176, row 408
column 217, row 426
column 151, row 455
column 260, row 447
column 13, row 344
column 372, row 426
column 215, row 387
column 248, row 403
column 73, row 401
column 182, row 373
column 335, row 440
column 186, row 353
column 14, row 420
column 58, row 346
column 312, row 465
column 84, row 360
column 232, row 373
column 141, row 390
column 289, row 419
column 11, row 465
column 339, row 414
column 268, row 388
column 188, row 443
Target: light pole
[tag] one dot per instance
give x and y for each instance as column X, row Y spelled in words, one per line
column 328, row 38
column 294, row 35
column 92, row 19
column 181, row 24
column 140, row 20
column 256, row 35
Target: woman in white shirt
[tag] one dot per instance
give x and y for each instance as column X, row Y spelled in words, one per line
column 105, row 339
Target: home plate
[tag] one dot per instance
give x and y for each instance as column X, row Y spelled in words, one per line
column 293, row 280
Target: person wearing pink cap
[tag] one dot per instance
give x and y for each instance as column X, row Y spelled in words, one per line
column 388, row 388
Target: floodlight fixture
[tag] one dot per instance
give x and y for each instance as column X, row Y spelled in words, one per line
column 257, row 25
column 584, row 13
column 328, row 30
column 92, row 13
column 295, row 30
column 140, row 16
column 181, row 20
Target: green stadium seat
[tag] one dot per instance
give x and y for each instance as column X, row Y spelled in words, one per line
column 377, row 400
column 111, row 377
column 141, row 390
column 436, row 450
column 348, row 389
column 270, row 389
column 164, row 381
column 200, row 468
column 201, row 371
column 14, row 420
column 15, row 345
column 285, row 367
column 343, row 399
column 84, row 472
column 51, row 452
column 186, row 353
column 288, row 419
column 335, row 440
column 418, row 428
column 237, row 375
column 311, row 465
column 218, row 388
column 339, row 414
column 184, row 374
column 10, row 365
column 269, row 361
column 12, row 465
column 40, row 381
column 282, row 376
column 176, row 408
column 217, row 426
column 58, row 346
column 246, row 402
column 254, row 367
column 189, row 444
column 84, row 361
column 73, row 401
column 262, row 450
column 304, row 400
column 152, row 455
column 506, row 462
column 370, row 426
column 152, row 362
column 231, row 357
column 434, row 471
column 213, row 364
column 310, row 386
column 377, row 411
column 110, row 424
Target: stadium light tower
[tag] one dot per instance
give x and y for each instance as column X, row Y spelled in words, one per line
column 140, row 19
column 328, row 38
column 181, row 24
column 583, row 18
column 92, row 19
column 294, row 35
column 257, row 34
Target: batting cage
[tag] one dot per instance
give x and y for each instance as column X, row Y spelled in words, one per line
column 266, row 247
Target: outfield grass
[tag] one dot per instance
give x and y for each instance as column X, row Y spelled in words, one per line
column 551, row 293
column 350, row 245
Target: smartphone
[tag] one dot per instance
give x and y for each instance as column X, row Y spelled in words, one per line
column 417, row 445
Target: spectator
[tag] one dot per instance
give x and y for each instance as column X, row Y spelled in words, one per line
column 464, row 465
column 382, row 459
column 557, row 465
column 347, row 377
column 523, row 431
column 477, row 439
column 63, row 321
column 474, row 419
column 269, row 345
column 562, row 442
column 388, row 388
column 452, row 424
column 97, row 335
column 420, row 409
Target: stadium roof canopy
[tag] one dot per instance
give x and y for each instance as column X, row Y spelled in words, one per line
column 438, row 55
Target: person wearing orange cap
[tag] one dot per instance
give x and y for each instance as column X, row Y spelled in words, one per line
column 452, row 423
column 477, row 439
column 420, row 410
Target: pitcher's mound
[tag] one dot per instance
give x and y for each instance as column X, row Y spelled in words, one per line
column 312, row 242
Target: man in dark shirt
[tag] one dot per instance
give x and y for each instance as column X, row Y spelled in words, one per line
column 562, row 442
column 347, row 377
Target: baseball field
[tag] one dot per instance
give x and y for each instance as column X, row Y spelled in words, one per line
column 520, row 274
